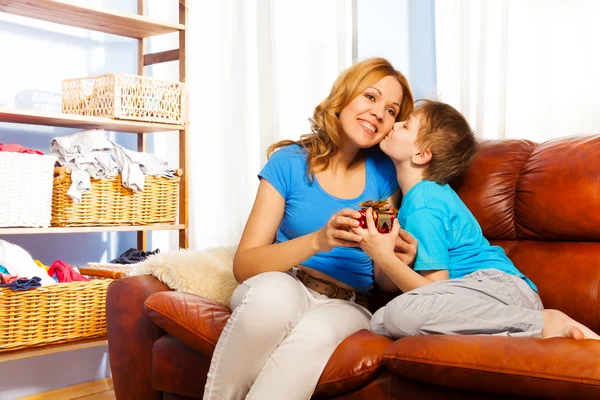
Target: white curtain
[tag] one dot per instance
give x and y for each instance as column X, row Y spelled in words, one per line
column 257, row 69
column 521, row 68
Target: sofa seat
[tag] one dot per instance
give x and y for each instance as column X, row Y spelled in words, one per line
column 196, row 323
column 535, row 367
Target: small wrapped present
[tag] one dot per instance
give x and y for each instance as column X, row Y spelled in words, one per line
column 383, row 215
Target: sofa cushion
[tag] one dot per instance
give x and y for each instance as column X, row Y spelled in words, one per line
column 194, row 320
column 548, row 368
column 488, row 186
column 355, row 362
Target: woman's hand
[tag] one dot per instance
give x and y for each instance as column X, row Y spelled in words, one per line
column 406, row 247
column 338, row 231
column 379, row 246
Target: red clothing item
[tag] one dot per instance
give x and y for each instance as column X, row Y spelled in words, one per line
column 17, row 148
column 65, row 273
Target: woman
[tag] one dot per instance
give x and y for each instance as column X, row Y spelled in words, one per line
column 303, row 276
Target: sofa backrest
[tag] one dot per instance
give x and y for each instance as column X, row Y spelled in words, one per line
column 541, row 203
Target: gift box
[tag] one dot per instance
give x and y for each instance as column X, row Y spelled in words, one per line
column 383, row 215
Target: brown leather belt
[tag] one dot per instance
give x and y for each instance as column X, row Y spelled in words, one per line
column 330, row 289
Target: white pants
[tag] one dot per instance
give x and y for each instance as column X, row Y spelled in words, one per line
column 278, row 339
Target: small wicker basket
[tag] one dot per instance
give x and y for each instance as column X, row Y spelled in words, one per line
column 25, row 189
column 110, row 203
column 60, row 313
column 123, row 96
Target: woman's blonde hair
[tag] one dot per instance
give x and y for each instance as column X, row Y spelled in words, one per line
column 325, row 137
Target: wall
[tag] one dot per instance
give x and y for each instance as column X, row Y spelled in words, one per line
column 42, row 55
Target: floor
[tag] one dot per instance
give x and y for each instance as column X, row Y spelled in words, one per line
column 108, row 395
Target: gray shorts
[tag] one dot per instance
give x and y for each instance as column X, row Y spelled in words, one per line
column 486, row 302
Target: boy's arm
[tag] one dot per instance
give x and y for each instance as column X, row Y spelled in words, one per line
column 433, row 258
column 405, row 250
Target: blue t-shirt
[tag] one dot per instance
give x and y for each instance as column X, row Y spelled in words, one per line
column 308, row 208
column 449, row 235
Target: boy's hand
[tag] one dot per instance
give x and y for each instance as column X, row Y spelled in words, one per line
column 406, row 247
column 379, row 246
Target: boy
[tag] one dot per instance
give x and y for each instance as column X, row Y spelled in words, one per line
column 460, row 283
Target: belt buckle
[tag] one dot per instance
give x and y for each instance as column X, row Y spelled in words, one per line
column 335, row 292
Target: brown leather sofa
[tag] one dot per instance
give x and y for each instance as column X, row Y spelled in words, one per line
column 540, row 202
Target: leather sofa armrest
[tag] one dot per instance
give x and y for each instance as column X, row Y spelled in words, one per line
column 355, row 362
column 131, row 335
column 196, row 321
column 547, row 368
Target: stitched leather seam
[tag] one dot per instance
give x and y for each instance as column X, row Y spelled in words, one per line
column 184, row 325
column 514, row 202
column 499, row 370
column 371, row 369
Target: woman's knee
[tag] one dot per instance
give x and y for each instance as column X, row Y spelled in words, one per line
column 405, row 316
column 271, row 297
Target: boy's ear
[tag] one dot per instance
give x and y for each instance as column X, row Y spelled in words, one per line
column 422, row 157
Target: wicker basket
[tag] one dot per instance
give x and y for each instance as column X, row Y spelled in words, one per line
column 110, row 203
column 53, row 314
column 25, row 189
column 123, row 96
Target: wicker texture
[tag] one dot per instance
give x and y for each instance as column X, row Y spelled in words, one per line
column 53, row 314
column 123, row 96
column 110, row 203
column 25, row 189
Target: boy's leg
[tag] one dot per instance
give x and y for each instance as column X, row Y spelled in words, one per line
column 486, row 302
column 266, row 307
column 294, row 368
column 376, row 324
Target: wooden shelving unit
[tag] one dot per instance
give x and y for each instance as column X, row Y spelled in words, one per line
column 90, row 229
column 92, row 18
column 136, row 26
column 34, row 117
column 52, row 349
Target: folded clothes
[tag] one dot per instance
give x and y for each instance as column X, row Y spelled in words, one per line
column 90, row 154
column 7, row 278
column 133, row 256
column 17, row 148
column 23, row 283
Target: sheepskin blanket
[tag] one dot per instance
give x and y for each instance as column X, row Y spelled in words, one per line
column 207, row 273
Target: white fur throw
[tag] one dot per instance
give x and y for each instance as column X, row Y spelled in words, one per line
column 207, row 273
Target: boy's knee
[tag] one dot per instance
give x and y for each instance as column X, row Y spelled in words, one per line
column 404, row 317
column 376, row 323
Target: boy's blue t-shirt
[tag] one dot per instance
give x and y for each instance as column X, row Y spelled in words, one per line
column 449, row 235
column 308, row 208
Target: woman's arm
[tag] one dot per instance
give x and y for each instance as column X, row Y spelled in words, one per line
column 256, row 252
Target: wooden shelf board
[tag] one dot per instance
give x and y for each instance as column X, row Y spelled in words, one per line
column 97, row 19
column 91, row 229
column 34, row 117
column 52, row 349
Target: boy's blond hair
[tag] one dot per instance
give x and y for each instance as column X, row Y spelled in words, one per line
column 447, row 135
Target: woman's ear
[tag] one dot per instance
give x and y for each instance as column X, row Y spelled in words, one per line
column 422, row 157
